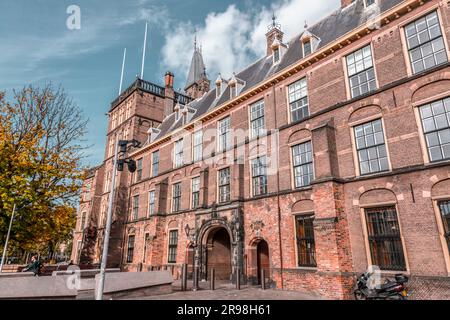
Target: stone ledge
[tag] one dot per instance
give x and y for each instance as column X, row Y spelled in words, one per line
column 87, row 273
column 16, row 275
column 136, row 284
column 36, row 288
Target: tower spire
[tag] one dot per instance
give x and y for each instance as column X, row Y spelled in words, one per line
column 197, row 82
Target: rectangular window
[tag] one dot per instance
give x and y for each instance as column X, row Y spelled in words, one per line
column 303, row 164
column 139, row 170
column 425, row 43
column 276, row 55
column 307, row 49
column 178, row 150
column 146, row 241
column 361, row 72
column 173, row 245
column 444, row 207
column 155, row 163
column 176, row 197
column 79, row 248
column 224, row 134
column 384, row 238
column 436, row 127
column 306, row 249
column 135, row 207
column 371, row 148
column 257, row 119
column 107, row 181
column 195, row 192
column 197, row 146
column 259, row 176
column 151, row 203
column 83, row 221
column 224, row 185
column 369, row 2
column 298, row 100
column 130, row 249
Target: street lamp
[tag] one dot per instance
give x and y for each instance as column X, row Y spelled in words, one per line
column 118, row 165
column 5, row 249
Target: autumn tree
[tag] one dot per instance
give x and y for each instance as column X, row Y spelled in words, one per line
column 41, row 154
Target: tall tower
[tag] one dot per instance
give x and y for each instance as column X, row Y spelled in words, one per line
column 274, row 32
column 197, row 82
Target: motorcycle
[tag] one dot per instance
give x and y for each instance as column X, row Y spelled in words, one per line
column 390, row 290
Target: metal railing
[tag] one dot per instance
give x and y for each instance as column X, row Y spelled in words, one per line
column 142, row 85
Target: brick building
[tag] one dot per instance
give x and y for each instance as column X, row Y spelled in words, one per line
column 328, row 155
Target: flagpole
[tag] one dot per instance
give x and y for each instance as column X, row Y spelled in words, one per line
column 5, row 249
column 143, row 52
column 123, row 67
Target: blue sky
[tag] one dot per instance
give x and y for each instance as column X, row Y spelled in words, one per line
column 36, row 46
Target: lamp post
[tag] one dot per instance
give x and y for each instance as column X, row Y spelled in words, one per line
column 5, row 249
column 132, row 167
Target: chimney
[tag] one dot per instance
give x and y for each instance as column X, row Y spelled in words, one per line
column 169, row 79
column 169, row 94
column 345, row 3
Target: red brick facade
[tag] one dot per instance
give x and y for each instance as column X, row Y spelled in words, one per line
column 337, row 196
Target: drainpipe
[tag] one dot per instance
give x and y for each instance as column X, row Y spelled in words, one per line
column 278, row 196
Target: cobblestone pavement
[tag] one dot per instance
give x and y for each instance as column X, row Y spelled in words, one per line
column 229, row 292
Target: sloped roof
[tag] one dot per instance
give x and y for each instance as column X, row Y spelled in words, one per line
column 335, row 25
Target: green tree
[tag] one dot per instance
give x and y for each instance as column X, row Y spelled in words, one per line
column 41, row 169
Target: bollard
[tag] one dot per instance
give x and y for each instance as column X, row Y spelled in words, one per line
column 213, row 279
column 195, row 280
column 263, row 279
column 238, row 279
column 184, row 277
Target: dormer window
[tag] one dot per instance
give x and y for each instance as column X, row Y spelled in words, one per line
column 220, row 85
column 153, row 133
column 278, row 49
column 233, row 91
column 368, row 3
column 307, row 48
column 309, row 43
column 177, row 111
column 218, row 89
column 235, row 85
column 276, row 55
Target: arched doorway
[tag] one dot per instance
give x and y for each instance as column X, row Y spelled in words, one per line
column 258, row 259
column 262, row 259
column 190, row 258
column 218, row 253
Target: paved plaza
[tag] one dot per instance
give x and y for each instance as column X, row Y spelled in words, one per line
column 226, row 291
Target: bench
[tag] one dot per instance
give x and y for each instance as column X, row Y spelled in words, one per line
column 135, row 284
column 36, row 288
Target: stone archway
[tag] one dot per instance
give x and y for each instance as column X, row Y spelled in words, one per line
column 218, row 253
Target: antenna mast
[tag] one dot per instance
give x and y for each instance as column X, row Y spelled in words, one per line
column 143, row 52
column 123, row 68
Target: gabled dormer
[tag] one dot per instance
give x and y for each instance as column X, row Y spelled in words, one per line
column 235, row 85
column 309, row 43
column 177, row 111
column 221, row 85
column 152, row 134
column 278, row 50
column 187, row 113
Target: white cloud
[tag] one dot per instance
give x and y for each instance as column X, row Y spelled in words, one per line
column 232, row 39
